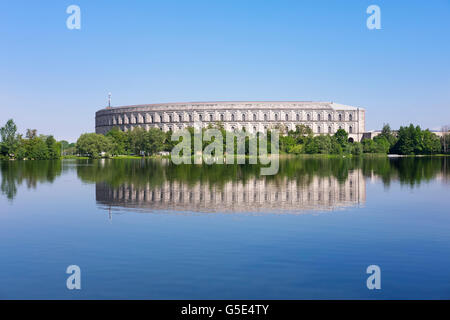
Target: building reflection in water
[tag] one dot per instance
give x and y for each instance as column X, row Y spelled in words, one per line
column 253, row 195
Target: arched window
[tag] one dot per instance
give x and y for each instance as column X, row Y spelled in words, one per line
column 276, row 116
column 170, row 118
column 254, row 129
column 350, row 129
column 318, row 129
column 190, row 118
column 243, row 117
column 221, row 117
column 318, row 117
column 340, row 117
column 329, row 129
column 265, row 117
column 287, row 117
column 298, row 117
column 200, row 117
column 210, row 117
column 232, row 118
column 254, row 117
column 308, row 117
column 350, row 117
column 329, row 117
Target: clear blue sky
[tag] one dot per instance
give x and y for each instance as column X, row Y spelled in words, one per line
column 54, row 79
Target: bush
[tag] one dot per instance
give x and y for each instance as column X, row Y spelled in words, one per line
column 93, row 145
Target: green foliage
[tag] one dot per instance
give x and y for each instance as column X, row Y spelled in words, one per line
column 408, row 140
column 319, row 144
column 30, row 173
column 387, row 133
column 356, row 148
column 412, row 140
column 287, row 143
column 33, row 148
column 138, row 141
column 155, row 141
column 377, row 145
column 297, row 149
column 342, row 137
column 10, row 141
column 301, row 134
column 119, row 141
column 93, row 145
column 53, row 147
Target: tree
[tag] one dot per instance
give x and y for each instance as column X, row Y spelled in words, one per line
column 407, row 140
column 336, row 147
column 155, row 141
column 34, row 148
column 356, row 148
column 323, row 144
column 342, row 137
column 301, row 134
column 388, row 135
column 430, row 142
column 311, row 146
column 137, row 139
column 382, row 145
column 377, row 145
column 10, row 140
column 369, row 146
column 287, row 143
column 297, row 149
column 93, row 145
column 53, row 147
column 31, row 133
column 119, row 141
column 412, row 140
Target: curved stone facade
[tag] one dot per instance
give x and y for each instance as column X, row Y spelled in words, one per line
column 321, row 117
column 252, row 195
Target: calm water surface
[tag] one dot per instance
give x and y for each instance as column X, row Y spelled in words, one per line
column 146, row 229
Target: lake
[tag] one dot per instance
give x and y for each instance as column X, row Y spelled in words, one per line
column 147, row 229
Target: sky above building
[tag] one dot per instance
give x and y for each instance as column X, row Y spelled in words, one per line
column 54, row 79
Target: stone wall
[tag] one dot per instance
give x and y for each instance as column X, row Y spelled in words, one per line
column 321, row 117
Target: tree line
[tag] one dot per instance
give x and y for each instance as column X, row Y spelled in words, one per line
column 408, row 140
column 31, row 146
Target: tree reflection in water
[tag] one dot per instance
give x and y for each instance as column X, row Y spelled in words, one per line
column 157, row 184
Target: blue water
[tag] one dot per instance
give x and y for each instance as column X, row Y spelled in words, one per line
column 148, row 253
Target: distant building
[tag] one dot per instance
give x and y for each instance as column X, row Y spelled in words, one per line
column 251, row 195
column 321, row 117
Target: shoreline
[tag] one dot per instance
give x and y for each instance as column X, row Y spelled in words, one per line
column 283, row 156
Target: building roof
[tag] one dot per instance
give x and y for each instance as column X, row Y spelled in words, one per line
column 240, row 105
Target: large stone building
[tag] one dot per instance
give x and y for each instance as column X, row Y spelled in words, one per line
column 321, row 117
column 252, row 195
